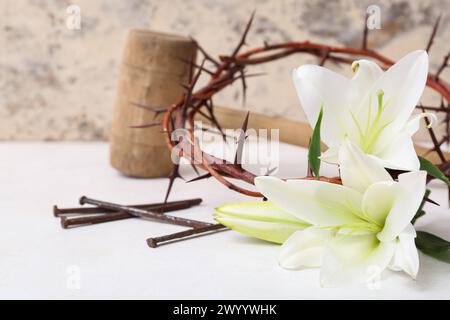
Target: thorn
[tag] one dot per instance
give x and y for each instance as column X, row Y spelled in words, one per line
column 142, row 126
column 191, row 67
column 208, row 117
column 194, row 65
column 244, row 85
column 244, row 35
column 197, row 76
column 365, row 32
column 195, row 169
column 432, row 201
column 258, row 74
column 205, row 54
column 173, row 175
column 200, row 177
column 433, row 33
column 230, row 81
column 172, row 123
column 210, row 107
column 143, row 106
column 447, row 120
column 443, row 66
column 433, row 108
column 213, row 131
column 156, row 111
column 324, row 58
column 184, row 86
column 270, row 171
column 188, row 95
column 241, row 142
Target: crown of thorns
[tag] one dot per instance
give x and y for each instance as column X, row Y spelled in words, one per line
column 227, row 69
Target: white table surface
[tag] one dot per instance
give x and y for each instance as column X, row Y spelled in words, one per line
column 37, row 257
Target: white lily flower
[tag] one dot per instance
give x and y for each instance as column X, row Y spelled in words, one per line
column 371, row 109
column 358, row 228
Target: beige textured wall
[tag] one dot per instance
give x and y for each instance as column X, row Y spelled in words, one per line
column 58, row 84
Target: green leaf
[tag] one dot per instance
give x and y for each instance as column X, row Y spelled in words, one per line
column 433, row 246
column 314, row 146
column 432, row 170
column 420, row 212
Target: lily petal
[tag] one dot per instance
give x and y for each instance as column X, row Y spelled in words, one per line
column 304, row 248
column 366, row 74
column 259, row 219
column 258, row 210
column 413, row 125
column 407, row 201
column 316, row 202
column 317, row 86
column 399, row 153
column 277, row 232
column 352, row 259
column 406, row 257
column 331, row 155
column 403, row 85
column 378, row 201
column 369, row 170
